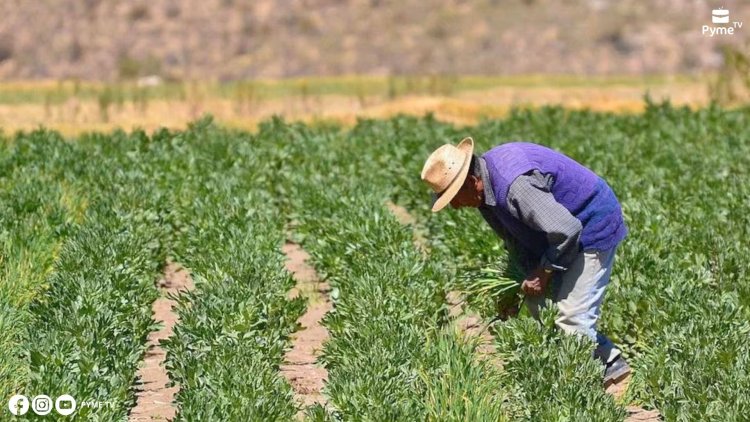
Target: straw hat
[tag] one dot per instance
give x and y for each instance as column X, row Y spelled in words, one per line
column 446, row 170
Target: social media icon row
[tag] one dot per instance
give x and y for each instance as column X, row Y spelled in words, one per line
column 41, row 405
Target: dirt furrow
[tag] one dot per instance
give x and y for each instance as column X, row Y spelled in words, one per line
column 472, row 325
column 635, row 413
column 306, row 377
column 154, row 399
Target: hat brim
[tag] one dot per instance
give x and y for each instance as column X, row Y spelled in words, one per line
column 444, row 198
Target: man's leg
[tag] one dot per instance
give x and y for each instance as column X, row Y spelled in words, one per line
column 579, row 295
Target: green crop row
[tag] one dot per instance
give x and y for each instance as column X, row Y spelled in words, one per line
column 37, row 210
column 234, row 327
column 88, row 330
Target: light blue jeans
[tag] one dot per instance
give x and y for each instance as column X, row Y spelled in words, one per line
column 578, row 293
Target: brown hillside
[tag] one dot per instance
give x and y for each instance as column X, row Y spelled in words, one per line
column 230, row 39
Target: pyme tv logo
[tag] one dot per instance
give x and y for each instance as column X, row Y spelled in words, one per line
column 721, row 16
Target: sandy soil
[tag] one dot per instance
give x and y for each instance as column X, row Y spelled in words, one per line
column 154, row 398
column 306, row 377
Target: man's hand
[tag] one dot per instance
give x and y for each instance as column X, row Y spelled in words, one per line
column 536, row 282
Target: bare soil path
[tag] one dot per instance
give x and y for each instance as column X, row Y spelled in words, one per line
column 306, row 377
column 638, row 414
column 472, row 325
column 154, row 398
column 635, row 413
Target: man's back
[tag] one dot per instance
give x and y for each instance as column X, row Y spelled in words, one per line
column 586, row 196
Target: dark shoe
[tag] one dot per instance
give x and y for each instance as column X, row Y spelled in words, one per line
column 616, row 371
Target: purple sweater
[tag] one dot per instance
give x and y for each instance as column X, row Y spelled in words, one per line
column 584, row 194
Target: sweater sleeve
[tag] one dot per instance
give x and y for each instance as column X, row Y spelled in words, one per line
column 530, row 200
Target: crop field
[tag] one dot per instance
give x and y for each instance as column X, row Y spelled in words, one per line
column 87, row 226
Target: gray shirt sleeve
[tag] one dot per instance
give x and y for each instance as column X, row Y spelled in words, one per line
column 531, row 201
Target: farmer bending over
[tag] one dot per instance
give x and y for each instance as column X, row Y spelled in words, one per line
column 560, row 217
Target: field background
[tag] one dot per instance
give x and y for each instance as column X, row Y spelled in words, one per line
column 212, row 136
